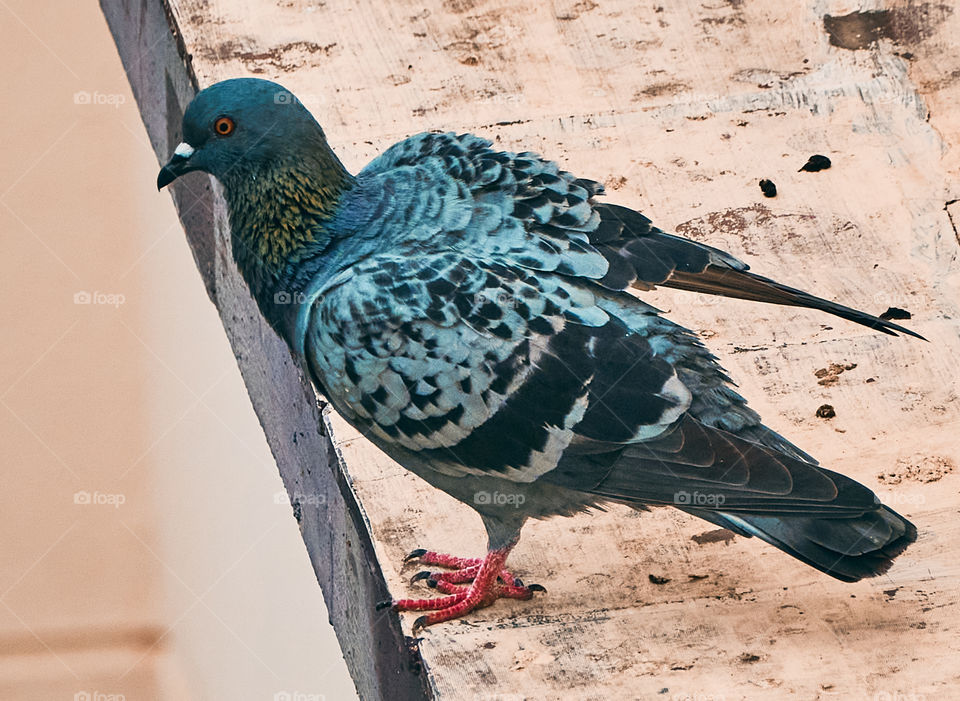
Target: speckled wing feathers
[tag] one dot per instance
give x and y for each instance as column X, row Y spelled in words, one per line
column 524, row 209
column 739, row 475
column 485, row 368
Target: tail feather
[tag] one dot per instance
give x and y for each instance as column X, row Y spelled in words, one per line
column 643, row 256
column 821, row 517
column 746, row 285
column 848, row 549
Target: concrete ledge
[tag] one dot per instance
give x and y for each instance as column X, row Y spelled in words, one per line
column 331, row 520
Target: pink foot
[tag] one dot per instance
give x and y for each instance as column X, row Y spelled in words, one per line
column 488, row 581
column 464, row 569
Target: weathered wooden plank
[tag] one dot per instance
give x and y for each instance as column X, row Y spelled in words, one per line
column 680, row 109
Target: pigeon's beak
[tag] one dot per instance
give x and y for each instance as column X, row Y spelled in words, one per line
column 178, row 164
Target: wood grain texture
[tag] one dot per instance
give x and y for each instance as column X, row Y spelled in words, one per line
column 680, row 109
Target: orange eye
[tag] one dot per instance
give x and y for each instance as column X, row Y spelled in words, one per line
column 223, row 126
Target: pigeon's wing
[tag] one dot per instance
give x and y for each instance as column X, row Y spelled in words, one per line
column 561, row 219
column 483, row 368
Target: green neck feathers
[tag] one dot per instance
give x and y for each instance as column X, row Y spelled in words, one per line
column 278, row 215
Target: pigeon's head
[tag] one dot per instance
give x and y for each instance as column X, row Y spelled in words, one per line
column 238, row 125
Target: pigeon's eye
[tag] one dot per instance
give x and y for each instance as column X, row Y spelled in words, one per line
column 223, row 126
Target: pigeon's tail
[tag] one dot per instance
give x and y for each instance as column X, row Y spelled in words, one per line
column 821, row 517
column 846, row 548
column 746, row 285
column 641, row 256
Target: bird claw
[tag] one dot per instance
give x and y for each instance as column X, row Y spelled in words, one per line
column 470, row 584
column 422, row 574
column 414, row 554
column 419, row 624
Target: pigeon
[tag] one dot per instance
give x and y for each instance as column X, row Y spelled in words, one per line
column 472, row 313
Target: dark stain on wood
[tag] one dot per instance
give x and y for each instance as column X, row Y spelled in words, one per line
column 720, row 535
column 903, row 25
column 895, row 313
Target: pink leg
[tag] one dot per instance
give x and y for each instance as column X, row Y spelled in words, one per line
column 504, row 591
column 460, row 599
column 464, row 568
column 429, row 557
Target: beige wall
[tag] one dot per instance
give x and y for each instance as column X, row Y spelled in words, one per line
column 143, row 550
